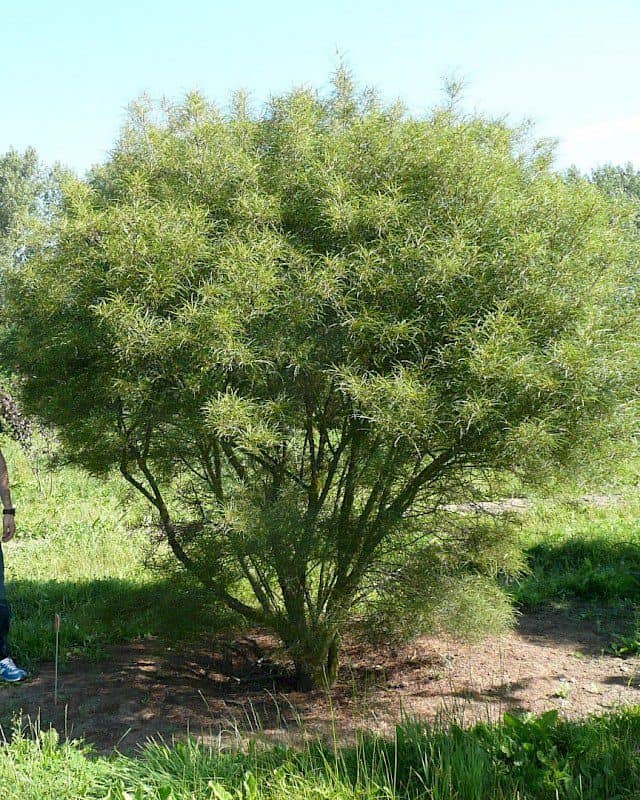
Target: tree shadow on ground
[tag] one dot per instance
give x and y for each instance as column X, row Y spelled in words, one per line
column 103, row 612
column 504, row 694
column 629, row 679
column 145, row 689
column 588, row 629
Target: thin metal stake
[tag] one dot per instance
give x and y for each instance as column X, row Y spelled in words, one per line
column 56, row 628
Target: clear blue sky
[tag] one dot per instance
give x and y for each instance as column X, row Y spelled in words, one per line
column 68, row 68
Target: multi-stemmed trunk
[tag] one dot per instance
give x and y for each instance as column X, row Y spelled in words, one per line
column 317, row 663
column 349, row 514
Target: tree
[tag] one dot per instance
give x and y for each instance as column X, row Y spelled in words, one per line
column 310, row 337
column 27, row 191
column 618, row 180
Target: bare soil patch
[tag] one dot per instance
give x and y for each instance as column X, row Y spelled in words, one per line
column 226, row 690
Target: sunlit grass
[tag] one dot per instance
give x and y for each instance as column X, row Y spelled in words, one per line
column 54, row 502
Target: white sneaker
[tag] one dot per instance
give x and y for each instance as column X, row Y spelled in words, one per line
column 9, row 672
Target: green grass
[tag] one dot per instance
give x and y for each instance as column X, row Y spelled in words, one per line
column 576, row 551
column 57, row 501
column 536, row 758
column 106, row 611
column 585, row 559
column 80, row 552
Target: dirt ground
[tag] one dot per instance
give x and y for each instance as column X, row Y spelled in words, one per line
column 221, row 690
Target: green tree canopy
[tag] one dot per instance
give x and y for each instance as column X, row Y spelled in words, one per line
column 26, row 191
column 618, row 180
column 309, row 336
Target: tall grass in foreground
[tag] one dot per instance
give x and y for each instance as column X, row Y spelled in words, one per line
column 541, row 758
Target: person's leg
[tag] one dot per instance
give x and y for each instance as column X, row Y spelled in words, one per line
column 5, row 613
column 8, row 670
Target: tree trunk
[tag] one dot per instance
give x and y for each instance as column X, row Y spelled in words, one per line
column 333, row 660
column 317, row 667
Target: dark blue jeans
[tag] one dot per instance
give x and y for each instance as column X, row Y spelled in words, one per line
column 5, row 613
